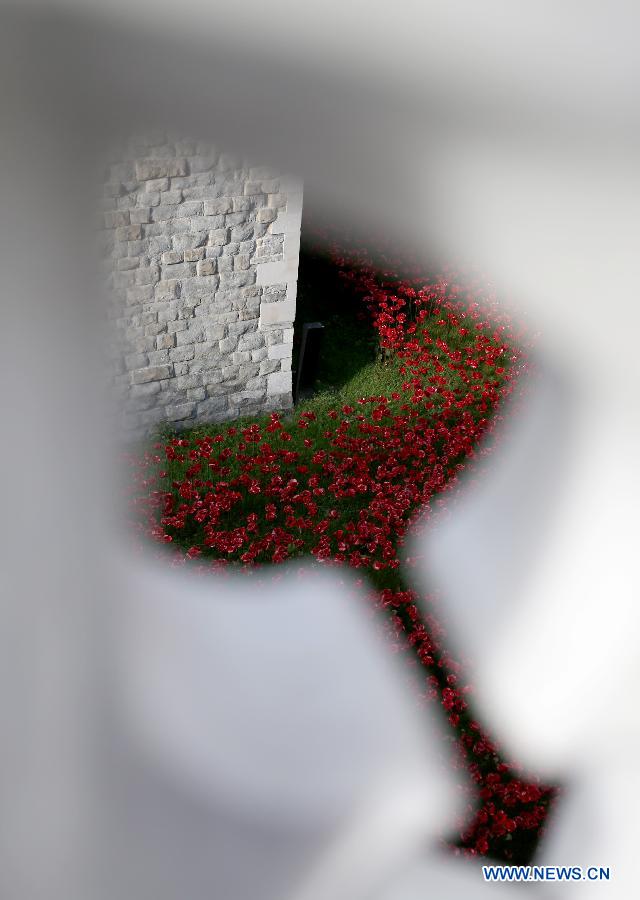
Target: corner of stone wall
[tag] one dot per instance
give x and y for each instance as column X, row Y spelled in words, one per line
column 279, row 281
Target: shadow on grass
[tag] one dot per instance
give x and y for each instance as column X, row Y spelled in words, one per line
column 350, row 341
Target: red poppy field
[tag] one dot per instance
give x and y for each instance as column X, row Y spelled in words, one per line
column 341, row 478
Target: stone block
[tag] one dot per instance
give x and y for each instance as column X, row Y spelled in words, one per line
column 219, row 237
column 151, row 373
column 251, row 341
column 158, row 357
column 273, row 336
column 277, row 313
column 188, row 240
column 228, row 344
column 260, row 173
column 279, row 383
column 116, row 219
column 140, row 216
column 277, row 201
column 129, row 233
column 266, row 215
column 187, row 381
column 279, row 351
column 127, row 263
column 215, row 384
column 158, row 245
column 168, row 314
column 241, row 262
column 283, row 271
column 165, row 341
column 163, row 214
column 148, row 169
column 199, row 287
column 148, row 275
column 195, row 254
column 124, row 280
column 167, row 288
column 270, row 245
column 236, row 218
column 218, row 206
column 171, row 198
column 238, row 328
column 157, row 185
column 206, row 267
column 269, row 365
column 145, row 390
column 139, row 250
column 251, row 292
column 172, row 256
column 180, row 411
column 180, row 270
column 216, row 332
column 146, row 318
column 145, row 344
column 195, row 334
column 152, row 417
column 250, row 311
column 213, row 222
column 196, row 192
column 212, row 407
column 182, row 354
column 191, row 208
column 247, row 399
column 237, row 279
column 274, row 293
column 154, row 328
column 242, row 232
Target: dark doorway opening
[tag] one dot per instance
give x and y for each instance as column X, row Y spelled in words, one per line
column 348, row 339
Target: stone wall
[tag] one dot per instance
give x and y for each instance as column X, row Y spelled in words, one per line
column 202, row 252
